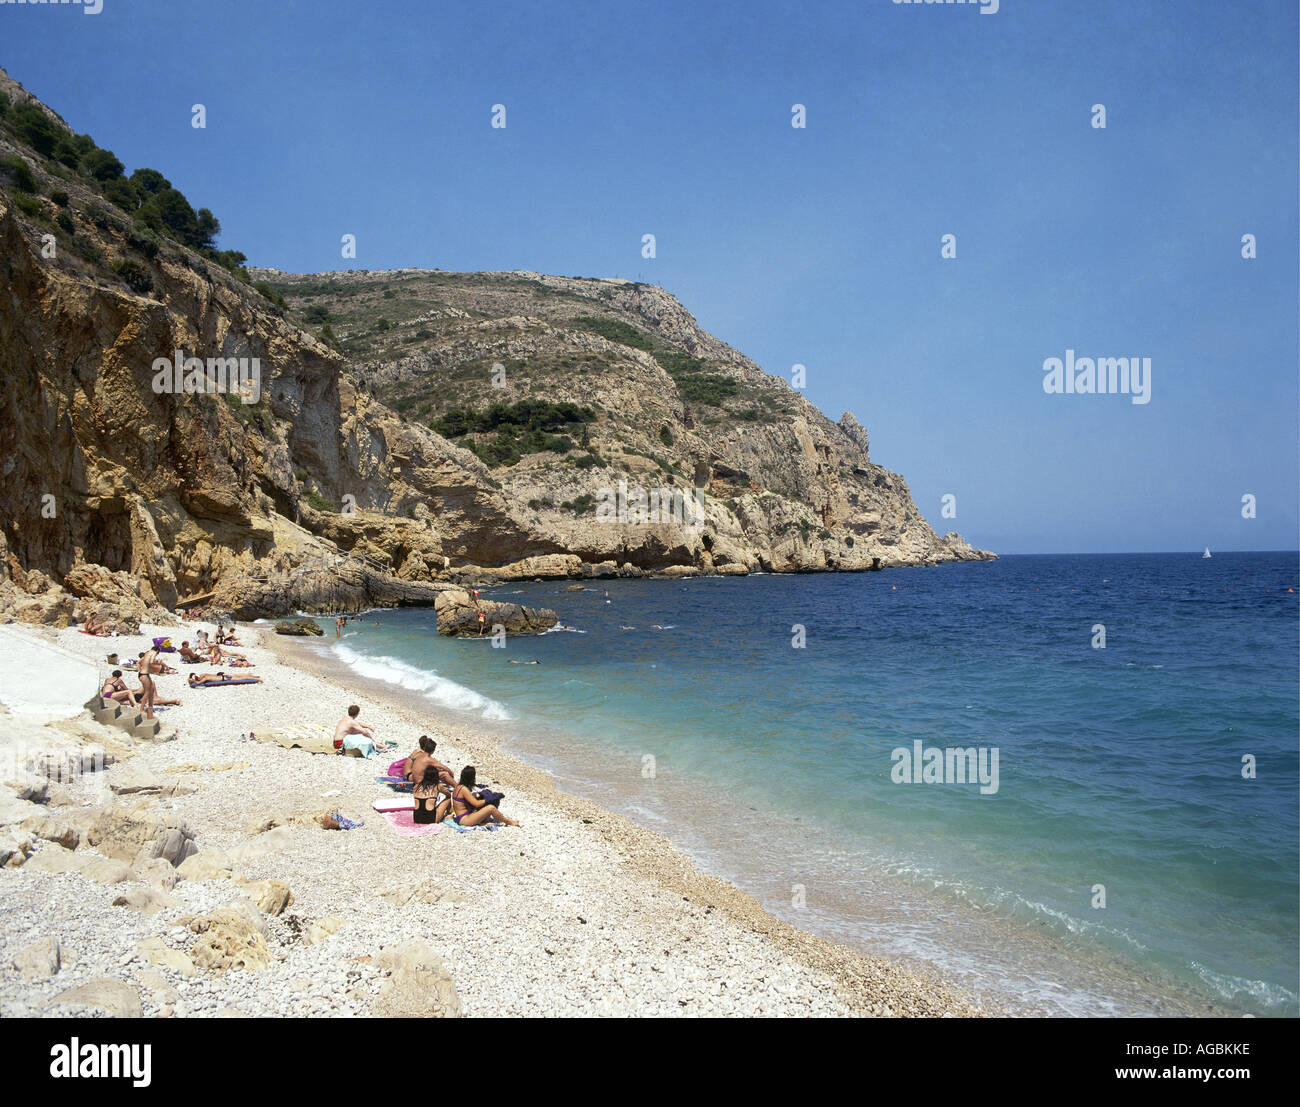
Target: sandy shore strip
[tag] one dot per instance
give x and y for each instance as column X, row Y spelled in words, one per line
column 576, row 912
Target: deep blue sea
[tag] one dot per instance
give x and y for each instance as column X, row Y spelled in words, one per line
column 1139, row 853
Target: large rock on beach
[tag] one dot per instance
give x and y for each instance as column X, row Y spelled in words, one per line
column 112, row 997
column 134, row 834
column 40, row 960
column 229, row 939
column 418, row 984
column 42, row 603
column 298, row 627
column 211, row 864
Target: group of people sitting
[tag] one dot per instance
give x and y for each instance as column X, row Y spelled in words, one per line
column 436, row 790
column 209, row 652
column 150, row 665
column 438, row 794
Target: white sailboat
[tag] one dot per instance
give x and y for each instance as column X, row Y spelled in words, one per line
column 1206, row 553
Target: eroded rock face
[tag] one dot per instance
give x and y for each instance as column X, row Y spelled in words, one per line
column 187, row 494
column 229, row 939
column 134, row 834
column 418, row 985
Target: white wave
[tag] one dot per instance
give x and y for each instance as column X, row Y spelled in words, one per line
column 440, row 689
column 1233, row 987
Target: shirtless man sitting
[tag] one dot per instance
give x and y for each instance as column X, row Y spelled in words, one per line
column 357, row 736
column 415, row 765
column 188, row 655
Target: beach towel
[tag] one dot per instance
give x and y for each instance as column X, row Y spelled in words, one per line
column 345, row 823
column 359, row 742
column 236, row 680
column 405, row 826
column 396, row 783
column 312, row 737
column 466, row 829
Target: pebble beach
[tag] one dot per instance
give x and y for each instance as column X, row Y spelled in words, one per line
column 575, row 912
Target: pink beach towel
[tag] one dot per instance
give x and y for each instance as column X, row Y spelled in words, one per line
column 403, row 822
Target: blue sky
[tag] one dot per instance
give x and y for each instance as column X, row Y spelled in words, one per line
column 818, row 246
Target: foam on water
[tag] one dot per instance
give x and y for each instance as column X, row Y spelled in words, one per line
column 441, row 690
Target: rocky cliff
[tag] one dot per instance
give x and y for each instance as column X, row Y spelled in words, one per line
column 430, row 424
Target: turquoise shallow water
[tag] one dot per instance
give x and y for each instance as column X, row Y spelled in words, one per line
column 1120, row 770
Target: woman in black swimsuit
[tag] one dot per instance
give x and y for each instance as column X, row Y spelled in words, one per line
column 431, row 801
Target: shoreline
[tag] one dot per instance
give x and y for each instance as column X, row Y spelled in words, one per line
column 649, row 854
column 579, row 911
column 1112, row 986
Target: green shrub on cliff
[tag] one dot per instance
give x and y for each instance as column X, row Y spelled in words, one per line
column 135, row 273
column 18, row 173
column 615, row 330
column 320, row 503
column 35, row 128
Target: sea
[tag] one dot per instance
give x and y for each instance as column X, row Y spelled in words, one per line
column 1114, row 832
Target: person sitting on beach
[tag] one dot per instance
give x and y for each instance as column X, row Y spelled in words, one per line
column 358, row 736
column 198, row 680
column 95, row 625
column 421, row 759
column 432, row 797
column 115, row 690
column 468, row 810
column 189, row 656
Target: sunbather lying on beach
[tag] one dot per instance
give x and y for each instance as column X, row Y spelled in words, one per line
column 115, row 690
column 197, row 680
column 358, row 736
column 432, row 798
column 468, row 810
column 158, row 701
column 421, row 759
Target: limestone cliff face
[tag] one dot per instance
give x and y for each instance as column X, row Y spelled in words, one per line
column 195, row 492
